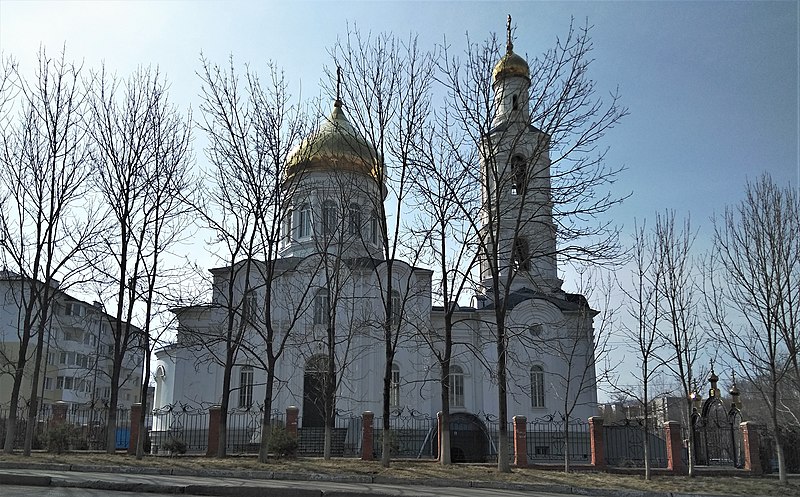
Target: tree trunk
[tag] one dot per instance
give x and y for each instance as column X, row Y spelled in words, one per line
column 386, row 446
column 645, row 448
column 33, row 408
column 266, row 420
column 444, row 449
column 566, row 445
column 503, row 463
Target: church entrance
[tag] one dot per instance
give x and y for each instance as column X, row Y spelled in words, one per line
column 316, row 381
column 469, row 439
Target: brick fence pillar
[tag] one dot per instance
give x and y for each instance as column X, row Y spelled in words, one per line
column 597, row 441
column 59, row 413
column 136, row 412
column 520, row 441
column 214, row 419
column 672, row 432
column 751, row 445
column 367, row 417
column 292, row 415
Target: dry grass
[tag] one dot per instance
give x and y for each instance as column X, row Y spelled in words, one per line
column 415, row 470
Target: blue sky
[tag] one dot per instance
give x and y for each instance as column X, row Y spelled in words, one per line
column 712, row 87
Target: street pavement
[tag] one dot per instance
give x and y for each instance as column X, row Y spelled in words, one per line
column 231, row 486
column 57, row 480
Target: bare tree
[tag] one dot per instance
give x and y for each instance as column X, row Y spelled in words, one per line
column 45, row 219
column 552, row 190
column 251, row 129
column 442, row 189
column 142, row 155
column 643, row 304
column 166, row 221
column 753, row 298
column 580, row 346
column 682, row 334
column 387, row 82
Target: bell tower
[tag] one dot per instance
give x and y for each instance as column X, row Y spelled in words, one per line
column 517, row 221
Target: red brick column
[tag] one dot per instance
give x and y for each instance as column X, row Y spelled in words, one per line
column 59, row 413
column 439, row 417
column 597, row 441
column 672, row 432
column 292, row 415
column 751, row 445
column 520, row 441
column 136, row 412
column 367, row 439
column 214, row 418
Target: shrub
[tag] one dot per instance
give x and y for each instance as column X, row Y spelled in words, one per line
column 174, row 446
column 282, row 443
column 60, row 437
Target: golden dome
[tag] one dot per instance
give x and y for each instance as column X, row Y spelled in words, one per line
column 511, row 65
column 335, row 146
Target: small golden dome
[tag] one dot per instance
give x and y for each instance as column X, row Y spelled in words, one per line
column 335, row 146
column 511, row 65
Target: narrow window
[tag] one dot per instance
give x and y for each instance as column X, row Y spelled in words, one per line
column 373, row 227
column 514, row 102
column 354, row 223
column 394, row 389
column 322, row 307
column 537, row 386
column 287, row 226
column 249, row 307
column 246, row 387
column 520, row 171
column 304, row 228
column 395, row 302
column 328, row 218
column 522, row 257
column 456, row 386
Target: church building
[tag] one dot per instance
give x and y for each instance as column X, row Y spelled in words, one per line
column 331, row 275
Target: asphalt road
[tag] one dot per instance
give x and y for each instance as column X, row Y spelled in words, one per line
column 21, row 491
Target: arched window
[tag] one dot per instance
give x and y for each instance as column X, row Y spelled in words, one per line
column 520, row 171
column 354, row 220
column 514, row 101
column 304, row 224
column 456, row 386
column 246, row 387
column 329, row 218
column 537, row 386
column 396, row 304
column 394, row 388
column 322, row 307
column 373, row 227
column 521, row 254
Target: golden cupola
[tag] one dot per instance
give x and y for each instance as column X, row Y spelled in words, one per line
column 335, row 146
column 511, row 64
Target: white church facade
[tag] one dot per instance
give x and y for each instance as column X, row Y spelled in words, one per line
column 331, row 275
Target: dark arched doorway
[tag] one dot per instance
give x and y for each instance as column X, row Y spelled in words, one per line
column 469, row 440
column 316, row 383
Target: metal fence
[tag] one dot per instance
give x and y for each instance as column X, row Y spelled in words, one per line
column 624, row 444
column 412, row 436
column 84, row 428
column 180, row 423
column 548, row 440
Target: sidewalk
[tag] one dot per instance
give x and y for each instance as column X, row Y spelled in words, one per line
column 273, row 484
